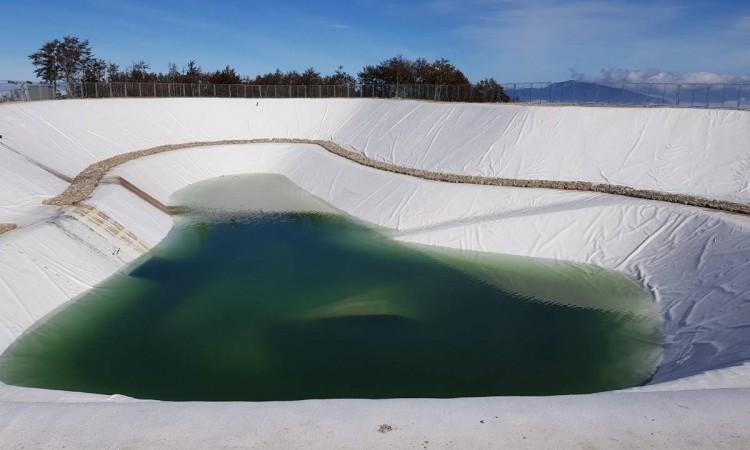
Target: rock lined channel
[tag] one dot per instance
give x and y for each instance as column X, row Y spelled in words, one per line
column 85, row 183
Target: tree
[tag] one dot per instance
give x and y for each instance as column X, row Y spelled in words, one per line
column 339, row 78
column 173, row 73
column 95, row 70
column 273, row 78
column 193, row 72
column 391, row 71
column 113, row 72
column 443, row 72
column 72, row 56
column 225, row 76
column 423, row 71
column 67, row 59
column 400, row 70
column 311, row 77
column 45, row 61
column 489, row 90
column 138, row 71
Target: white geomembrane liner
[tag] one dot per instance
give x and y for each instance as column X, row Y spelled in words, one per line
column 696, row 262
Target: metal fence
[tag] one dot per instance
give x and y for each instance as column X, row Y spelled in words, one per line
column 21, row 91
column 410, row 91
column 735, row 96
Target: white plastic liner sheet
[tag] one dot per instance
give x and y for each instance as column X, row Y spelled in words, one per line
column 23, row 187
column 689, row 151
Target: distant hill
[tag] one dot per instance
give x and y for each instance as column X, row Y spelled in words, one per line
column 698, row 95
column 583, row 92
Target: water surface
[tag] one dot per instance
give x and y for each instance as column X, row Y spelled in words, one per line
column 262, row 292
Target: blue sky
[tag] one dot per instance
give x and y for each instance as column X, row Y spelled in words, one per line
column 510, row 40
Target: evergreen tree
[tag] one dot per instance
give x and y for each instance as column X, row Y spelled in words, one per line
column 45, row 62
column 67, row 59
column 113, row 72
column 311, row 77
column 138, row 72
column 489, row 90
column 73, row 56
column 400, row 70
column 95, row 70
column 339, row 78
column 225, row 76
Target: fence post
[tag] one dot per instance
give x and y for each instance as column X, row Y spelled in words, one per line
column 739, row 95
column 573, row 95
column 708, row 94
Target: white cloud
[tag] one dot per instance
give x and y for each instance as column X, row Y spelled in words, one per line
column 657, row 76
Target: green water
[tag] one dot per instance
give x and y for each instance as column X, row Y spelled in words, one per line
column 257, row 301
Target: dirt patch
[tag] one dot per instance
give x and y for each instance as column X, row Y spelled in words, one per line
column 385, row 428
column 85, row 183
column 5, row 227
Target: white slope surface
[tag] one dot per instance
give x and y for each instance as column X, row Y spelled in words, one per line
column 680, row 150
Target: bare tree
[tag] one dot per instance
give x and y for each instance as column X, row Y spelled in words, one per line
column 173, row 73
column 193, row 72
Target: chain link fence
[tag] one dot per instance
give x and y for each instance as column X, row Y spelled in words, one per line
column 735, row 96
column 21, row 91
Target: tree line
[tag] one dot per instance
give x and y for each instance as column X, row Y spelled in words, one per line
column 71, row 60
